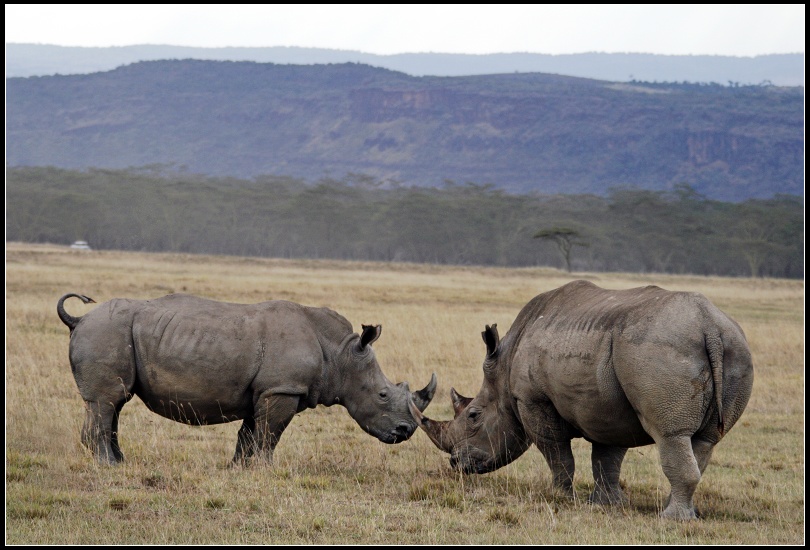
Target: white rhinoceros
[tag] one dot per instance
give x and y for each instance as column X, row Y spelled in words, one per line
column 621, row 368
column 200, row 361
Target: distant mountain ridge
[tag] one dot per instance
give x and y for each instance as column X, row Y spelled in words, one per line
column 777, row 69
column 520, row 132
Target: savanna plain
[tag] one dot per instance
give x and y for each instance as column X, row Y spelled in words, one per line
column 331, row 483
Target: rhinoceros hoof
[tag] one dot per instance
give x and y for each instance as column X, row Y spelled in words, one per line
column 109, row 460
column 679, row 513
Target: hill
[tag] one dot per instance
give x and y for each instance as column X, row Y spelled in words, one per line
column 520, row 132
column 777, row 69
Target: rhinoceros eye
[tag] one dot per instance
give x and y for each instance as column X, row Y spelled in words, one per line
column 383, row 394
column 474, row 414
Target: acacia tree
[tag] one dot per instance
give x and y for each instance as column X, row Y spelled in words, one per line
column 565, row 238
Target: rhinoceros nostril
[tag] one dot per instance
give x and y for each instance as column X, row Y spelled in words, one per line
column 399, row 434
column 404, row 430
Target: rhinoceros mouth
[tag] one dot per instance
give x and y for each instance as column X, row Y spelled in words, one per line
column 397, row 435
column 472, row 465
column 393, row 439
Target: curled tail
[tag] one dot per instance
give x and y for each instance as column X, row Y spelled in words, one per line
column 714, row 348
column 67, row 318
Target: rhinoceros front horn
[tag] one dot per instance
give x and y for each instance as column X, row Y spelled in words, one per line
column 434, row 429
column 423, row 397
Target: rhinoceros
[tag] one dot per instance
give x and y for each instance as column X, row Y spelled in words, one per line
column 200, row 361
column 620, row 368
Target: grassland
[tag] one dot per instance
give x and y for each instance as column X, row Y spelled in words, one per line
column 332, row 483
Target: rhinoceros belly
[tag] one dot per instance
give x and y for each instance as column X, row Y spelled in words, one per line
column 574, row 371
column 192, row 398
column 606, row 421
column 194, row 370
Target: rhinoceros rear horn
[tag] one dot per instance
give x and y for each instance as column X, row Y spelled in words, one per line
column 423, row 397
column 370, row 335
column 434, row 429
column 491, row 339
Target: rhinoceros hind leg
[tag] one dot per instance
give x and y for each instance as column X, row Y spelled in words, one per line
column 100, row 431
column 116, row 449
column 273, row 414
column 606, row 462
column 683, row 472
column 703, row 452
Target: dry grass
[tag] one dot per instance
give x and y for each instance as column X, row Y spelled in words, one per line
column 333, row 484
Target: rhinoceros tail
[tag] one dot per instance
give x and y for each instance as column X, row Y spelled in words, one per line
column 714, row 348
column 67, row 318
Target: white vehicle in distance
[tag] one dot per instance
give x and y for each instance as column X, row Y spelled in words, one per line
column 80, row 245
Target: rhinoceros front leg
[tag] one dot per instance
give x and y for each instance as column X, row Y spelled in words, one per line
column 560, row 459
column 548, row 432
column 245, row 441
column 273, row 414
column 606, row 462
column 683, row 472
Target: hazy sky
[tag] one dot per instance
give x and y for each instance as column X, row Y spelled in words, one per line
column 712, row 29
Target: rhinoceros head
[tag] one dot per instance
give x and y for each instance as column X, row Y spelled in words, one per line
column 484, row 435
column 380, row 407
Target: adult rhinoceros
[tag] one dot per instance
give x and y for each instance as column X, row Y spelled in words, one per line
column 200, row 361
column 621, row 368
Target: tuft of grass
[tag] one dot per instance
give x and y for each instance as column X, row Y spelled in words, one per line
column 24, row 461
column 441, row 492
column 215, row 503
column 19, row 466
column 503, row 516
column 155, row 480
column 315, row 482
column 28, row 511
column 453, row 499
column 425, row 490
column 14, row 473
column 119, row 503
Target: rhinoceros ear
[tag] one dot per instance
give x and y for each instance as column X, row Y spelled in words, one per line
column 491, row 339
column 370, row 335
column 459, row 401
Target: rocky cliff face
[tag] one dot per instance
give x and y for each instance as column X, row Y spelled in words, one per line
column 531, row 132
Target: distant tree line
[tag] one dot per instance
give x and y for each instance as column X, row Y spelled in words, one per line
column 359, row 218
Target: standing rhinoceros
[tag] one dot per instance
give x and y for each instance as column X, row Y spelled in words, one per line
column 199, row 361
column 621, row 368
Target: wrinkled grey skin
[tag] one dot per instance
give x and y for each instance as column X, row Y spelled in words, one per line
column 199, row 361
column 621, row 368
